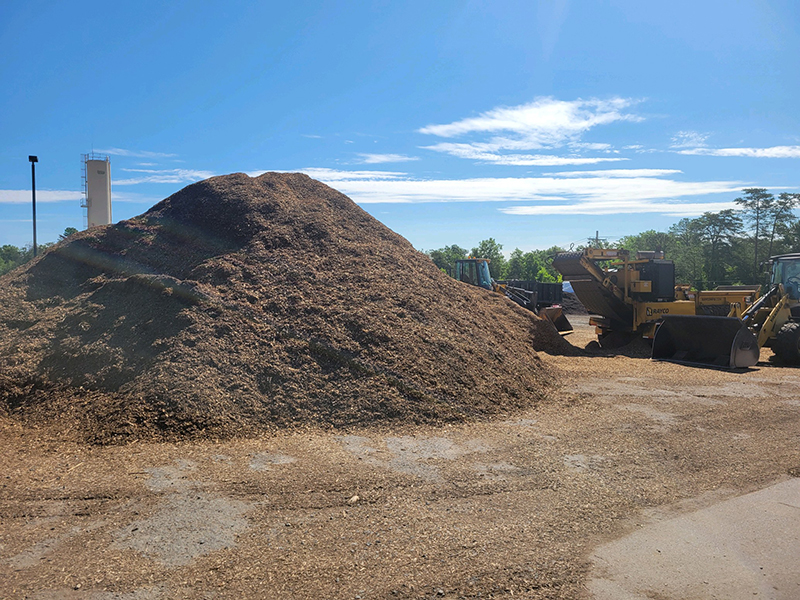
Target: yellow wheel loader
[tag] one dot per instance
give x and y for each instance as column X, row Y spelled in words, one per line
column 730, row 342
column 541, row 298
column 627, row 296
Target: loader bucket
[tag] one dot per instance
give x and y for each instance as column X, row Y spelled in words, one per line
column 722, row 342
column 555, row 314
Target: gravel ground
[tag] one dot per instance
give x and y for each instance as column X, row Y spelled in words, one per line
column 512, row 506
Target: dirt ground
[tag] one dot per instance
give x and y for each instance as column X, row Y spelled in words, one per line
column 510, row 507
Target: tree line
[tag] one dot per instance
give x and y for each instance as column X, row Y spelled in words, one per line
column 716, row 248
column 12, row 257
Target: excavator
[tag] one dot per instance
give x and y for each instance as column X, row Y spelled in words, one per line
column 539, row 297
column 735, row 341
column 628, row 296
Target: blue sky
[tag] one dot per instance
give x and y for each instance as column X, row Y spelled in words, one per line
column 533, row 123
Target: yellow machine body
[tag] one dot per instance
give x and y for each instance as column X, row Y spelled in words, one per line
column 631, row 295
column 772, row 320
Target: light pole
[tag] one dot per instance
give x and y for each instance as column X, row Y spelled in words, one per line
column 34, row 160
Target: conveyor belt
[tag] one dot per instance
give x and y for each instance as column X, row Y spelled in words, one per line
column 588, row 286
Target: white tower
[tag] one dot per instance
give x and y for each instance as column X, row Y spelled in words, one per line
column 97, row 189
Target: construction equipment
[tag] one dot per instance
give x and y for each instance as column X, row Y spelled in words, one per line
column 772, row 321
column 540, row 297
column 627, row 297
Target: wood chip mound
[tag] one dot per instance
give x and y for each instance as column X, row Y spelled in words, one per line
column 571, row 304
column 240, row 304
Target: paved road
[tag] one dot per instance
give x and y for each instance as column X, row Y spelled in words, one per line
column 745, row 547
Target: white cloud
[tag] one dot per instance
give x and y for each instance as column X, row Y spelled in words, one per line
column 311, row 136
column 593, row 192
column 163, row 176
column 545, row 123
column 25, row 196
column 600, row 147
column 374, row 159
column 333, row 175
column 135, row 153
column 773, row 152
column 545, row 119
column 689, row 139
column 673, row 209
column 481, row 153
column 133, row 198
column 618, row 173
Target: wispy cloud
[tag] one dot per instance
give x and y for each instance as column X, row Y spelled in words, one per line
column 618, row 173
column 631, row 190
column 615, row 207
column 135, row 153
column 311, row 136
column 133, row 198
column 689, row 139
column 616, row 191
column 334, row 175
column 163, row 176
column 594, row 146
column 483, row 153
column 773, row 152
column 24, row 196
column 374, row 159
column 545, row 123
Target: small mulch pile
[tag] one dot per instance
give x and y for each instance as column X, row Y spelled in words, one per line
column 571, row 304
column 239, row 304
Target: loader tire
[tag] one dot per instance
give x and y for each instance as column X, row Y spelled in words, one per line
column 787, row 344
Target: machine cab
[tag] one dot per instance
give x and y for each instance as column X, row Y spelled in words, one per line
column 474, row 271
column 785, row 269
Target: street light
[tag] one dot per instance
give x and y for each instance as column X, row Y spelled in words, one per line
column 34, row 160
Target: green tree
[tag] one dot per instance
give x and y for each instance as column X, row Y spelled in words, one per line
column 494, row 252
column 67, row 232
column 543, row 260
column 660, row 241
column 756, row 207
column 12, row 254
column 781, row 214
column 791, row 237
column 688, row 253
column 11, row 257
column 717, row 232
column 515, row 265
column 445, row 258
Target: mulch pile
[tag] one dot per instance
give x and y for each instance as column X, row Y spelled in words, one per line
column 239, row 304
column 571, row 304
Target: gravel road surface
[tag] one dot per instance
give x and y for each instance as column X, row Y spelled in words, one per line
column 542, row 503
